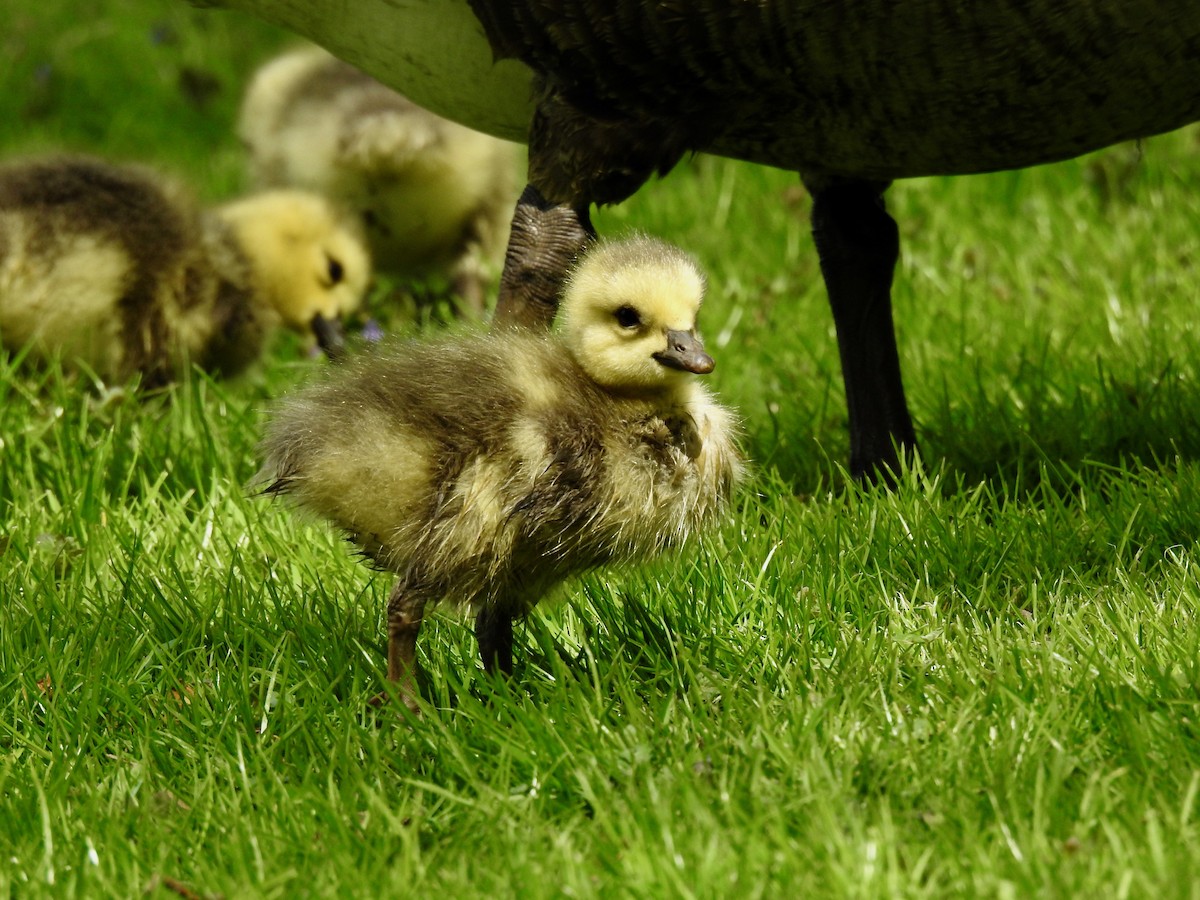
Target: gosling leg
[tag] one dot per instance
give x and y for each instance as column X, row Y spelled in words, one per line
column 858, row 244
column 494, row 632
column 544, row 242
column 404, row 611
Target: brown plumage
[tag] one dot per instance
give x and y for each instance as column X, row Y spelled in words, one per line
column 849, row 94
column 118, row 268
column 435, row 198
column 484, row 470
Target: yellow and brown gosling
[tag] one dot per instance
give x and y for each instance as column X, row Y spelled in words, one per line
column 485, row 469
column 435, row 197
column 117, row 267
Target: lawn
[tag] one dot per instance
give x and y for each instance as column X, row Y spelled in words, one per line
column 983, row 683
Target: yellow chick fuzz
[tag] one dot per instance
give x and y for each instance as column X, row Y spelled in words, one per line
column 486, row 469
column 117, row 268
column 435, row 197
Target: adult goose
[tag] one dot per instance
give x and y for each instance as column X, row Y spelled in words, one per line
column 851, row 95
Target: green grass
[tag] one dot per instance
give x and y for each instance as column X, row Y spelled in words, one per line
column 985, row 683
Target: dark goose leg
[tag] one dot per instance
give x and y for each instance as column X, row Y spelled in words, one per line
column 858, row 244
column 545, row 240
column 575, row 160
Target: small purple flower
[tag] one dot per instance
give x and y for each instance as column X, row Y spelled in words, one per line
column 371, row 331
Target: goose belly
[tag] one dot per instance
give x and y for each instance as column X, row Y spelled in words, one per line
column 923, row 88
column 432, row 51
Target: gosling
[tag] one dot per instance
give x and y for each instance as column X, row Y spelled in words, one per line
column 117, row 268
column 435, row 197
column 484, row 470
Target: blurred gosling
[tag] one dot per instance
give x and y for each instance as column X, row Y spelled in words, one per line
column 484, row 470
column 435, row 197
column 116, row 267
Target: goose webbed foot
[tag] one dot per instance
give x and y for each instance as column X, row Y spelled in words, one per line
column 545, row 240
column 858, row 244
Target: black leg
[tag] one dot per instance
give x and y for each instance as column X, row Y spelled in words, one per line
column 494, row 631
column 546, row 239
column 859, row 243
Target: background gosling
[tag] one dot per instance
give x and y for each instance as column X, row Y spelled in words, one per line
column 116, row 267
column 484, row 470
column 435, row 197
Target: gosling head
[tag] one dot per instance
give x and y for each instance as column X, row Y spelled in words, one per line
column 310, row 260
column 628, row 316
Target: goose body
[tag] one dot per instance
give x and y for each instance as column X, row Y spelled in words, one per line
column 484, row 470
column 851, row 95
column 877, row 90
column 118, row 268
column 435, row 197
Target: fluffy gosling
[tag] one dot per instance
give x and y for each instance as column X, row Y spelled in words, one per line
column 435, row 197
column 484, row 470
column 116, row 267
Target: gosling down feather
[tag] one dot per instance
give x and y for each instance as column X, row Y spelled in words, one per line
column 850, row 95
column 118, row 268
column 484, row 470
column 435, row 197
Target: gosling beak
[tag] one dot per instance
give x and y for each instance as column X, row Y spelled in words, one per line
column 329, row 335
column 686, row 353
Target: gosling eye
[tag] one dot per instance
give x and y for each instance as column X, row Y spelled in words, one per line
column 628, row 317
column 334, row 271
